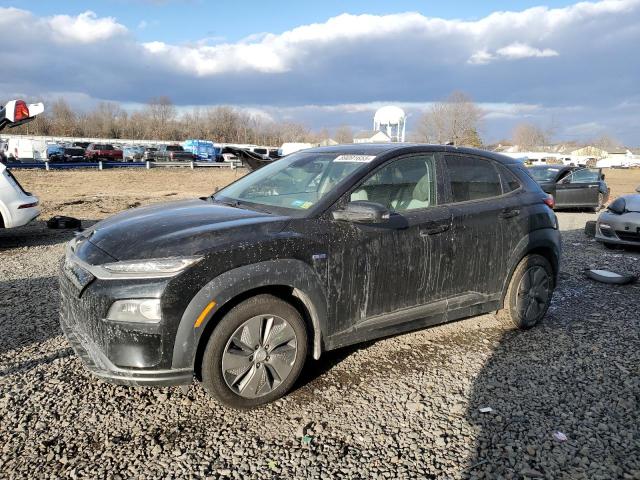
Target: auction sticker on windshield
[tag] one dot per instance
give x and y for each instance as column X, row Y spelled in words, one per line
column 354, row 158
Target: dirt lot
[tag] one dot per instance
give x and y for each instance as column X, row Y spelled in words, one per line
column 402, row 407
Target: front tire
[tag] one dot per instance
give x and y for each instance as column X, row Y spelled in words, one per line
column 256, row 353
column 529, row 292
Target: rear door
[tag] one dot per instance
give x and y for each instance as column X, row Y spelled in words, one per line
column 481, row 217
column 579, row 189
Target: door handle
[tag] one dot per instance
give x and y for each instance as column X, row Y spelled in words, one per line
column 509, row 213
column 434, row 228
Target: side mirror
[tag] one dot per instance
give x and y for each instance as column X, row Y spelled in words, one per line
column 602, row 177
column 638, row 189
column 361, row 211
column 618, row 206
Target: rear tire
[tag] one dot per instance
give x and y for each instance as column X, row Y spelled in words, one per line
column 256, row 353
column 600, row 203
column 529, row 293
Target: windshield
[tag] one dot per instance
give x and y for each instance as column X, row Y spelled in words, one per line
column 298, row 181
column 544, row 174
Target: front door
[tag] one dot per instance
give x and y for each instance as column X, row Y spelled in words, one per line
column 379, row 269
column 579, row 189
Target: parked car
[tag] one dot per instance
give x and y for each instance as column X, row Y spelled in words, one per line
column 62, row 153
column 172, row 153
column 324, row 248
column 102, row 151
column 149, row 153
column 132, row 153
column 619, row 224
column 17, row 207
column 572, row 187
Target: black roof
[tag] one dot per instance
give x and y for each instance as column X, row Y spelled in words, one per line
column 399, row 148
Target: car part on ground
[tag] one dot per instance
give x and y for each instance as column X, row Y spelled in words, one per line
column 606, row 276
column 308, row 244
column 63, row 222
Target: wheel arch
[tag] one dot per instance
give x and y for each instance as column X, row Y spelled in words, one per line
column 290, row 280
column 544, row 242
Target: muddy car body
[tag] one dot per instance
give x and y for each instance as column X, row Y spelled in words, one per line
column 240, row 287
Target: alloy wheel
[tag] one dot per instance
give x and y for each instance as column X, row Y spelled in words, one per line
column 259, row 356
column 534, row 292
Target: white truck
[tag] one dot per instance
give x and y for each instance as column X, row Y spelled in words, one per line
column 17, row 207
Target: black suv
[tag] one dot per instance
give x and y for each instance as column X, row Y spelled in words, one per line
column 324, row 248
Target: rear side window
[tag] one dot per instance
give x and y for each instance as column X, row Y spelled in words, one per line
column 472, row 178
column 509, row 180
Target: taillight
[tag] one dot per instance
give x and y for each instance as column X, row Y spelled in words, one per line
column 549, row 201
column 28, row 205
column 21, row 111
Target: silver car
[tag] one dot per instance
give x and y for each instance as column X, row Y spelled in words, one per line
column 619, row 224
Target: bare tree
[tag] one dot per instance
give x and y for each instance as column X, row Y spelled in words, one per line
column 343, row 134
column 606, row 142
column 456, row 120
column 161, row 113
column 528, row 136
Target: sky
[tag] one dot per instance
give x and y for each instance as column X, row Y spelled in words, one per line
column 568, row 67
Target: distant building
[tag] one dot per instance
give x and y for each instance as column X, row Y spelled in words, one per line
column 371, row 136
column 589, row 151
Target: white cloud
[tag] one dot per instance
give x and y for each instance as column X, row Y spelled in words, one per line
column 85, row 27
column 142, row 24
column 519, row 50
column 572, row 63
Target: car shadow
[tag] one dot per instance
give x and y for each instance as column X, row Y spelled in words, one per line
column 36, row 234
column 28, row 312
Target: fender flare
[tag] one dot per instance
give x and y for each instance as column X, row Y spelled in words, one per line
column 292, row 273
column 544, row 238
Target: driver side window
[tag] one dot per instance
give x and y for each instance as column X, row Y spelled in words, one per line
column 402, row 185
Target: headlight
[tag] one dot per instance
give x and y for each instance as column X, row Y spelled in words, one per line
column 160, row 267
column 606, row 226
column 135, row 310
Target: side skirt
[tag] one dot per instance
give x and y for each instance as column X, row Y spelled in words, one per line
column 415, row 318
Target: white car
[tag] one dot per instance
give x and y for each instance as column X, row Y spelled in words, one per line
column 17, row 207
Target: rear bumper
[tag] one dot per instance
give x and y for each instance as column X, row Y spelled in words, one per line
column 98, row 364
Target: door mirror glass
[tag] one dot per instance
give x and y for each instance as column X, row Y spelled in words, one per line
column 362, row 212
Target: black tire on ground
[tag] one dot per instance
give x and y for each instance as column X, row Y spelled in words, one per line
column 529, row 293
column 212, row 374
column 590, row 228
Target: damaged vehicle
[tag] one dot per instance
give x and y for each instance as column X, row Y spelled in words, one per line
column 324, row 248
column 619, row 224
column 572, row 187
column 17, row 206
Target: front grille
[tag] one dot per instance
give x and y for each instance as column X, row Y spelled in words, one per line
column 628, row 236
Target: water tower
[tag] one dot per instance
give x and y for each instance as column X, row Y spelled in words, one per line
column 392, row 121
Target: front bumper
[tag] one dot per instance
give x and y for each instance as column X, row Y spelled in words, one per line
column 118, row 352
column 624, row 229
column 98, row 364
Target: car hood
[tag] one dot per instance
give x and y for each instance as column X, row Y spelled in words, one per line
column 187, row 227
column 632, row 202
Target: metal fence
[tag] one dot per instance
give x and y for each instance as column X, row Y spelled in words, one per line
column 106, row 165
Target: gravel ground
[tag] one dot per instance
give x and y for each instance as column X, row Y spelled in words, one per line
column 403, row 407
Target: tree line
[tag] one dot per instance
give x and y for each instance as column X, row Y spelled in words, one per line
column 456, row 119
column 160, row 120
